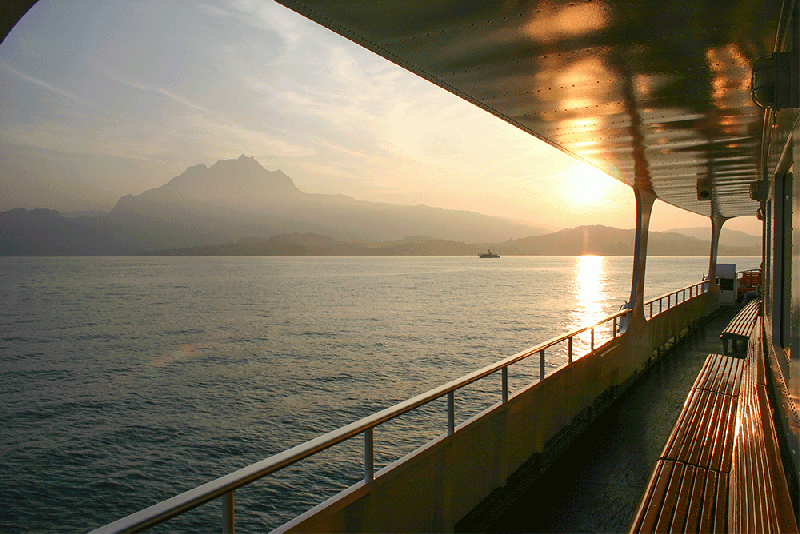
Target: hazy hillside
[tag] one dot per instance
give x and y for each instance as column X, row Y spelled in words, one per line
column 43, row 232
column 604, row 241
column 236, row 207
column 311, row 244
column 597, row 240
column 727, row 237
column 238, row 198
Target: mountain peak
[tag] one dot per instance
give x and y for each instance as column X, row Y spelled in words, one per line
column 237, row 183
column 241, row 161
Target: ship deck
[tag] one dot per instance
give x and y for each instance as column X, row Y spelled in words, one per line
column 596, row 484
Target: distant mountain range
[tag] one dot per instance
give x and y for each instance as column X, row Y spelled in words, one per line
column 236, row 207
column 231, row 200
column 605, row 241
column 596, row 240
column 727, row 237
column 239, row 198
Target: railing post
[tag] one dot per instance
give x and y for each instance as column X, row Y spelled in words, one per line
column 569, row 342
column 369, row 473
column 451, row 413
column 541, row 365
column 592, row 339
column 651, row 309
column 660, row 304
column 505, row 384
column 228, row 523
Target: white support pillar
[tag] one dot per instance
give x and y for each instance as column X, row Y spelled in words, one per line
column 717, row 221
column 644, row 208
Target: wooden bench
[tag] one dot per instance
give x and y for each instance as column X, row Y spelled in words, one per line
column 741, row 326
column 689, row 486
column 711, row 478
column 758, row 498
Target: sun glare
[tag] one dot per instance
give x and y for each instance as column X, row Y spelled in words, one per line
column 586, row 187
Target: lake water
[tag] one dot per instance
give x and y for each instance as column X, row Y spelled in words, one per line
column 124, row 381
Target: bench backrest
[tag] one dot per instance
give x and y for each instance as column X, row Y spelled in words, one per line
column 758, row 499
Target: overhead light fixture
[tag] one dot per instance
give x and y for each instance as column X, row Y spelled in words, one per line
column 759, row 190
column 774, row 81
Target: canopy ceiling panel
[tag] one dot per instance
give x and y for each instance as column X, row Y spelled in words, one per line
column 654, row 93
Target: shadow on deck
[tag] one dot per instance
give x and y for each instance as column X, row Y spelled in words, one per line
column 598, row 481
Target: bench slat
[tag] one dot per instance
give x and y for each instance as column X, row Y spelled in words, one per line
column 703, row 434
column 683, row 426
column 706, row 429
column 720, row 504
column 670, row 499
column 696, row 502
column 723, row 454
column 655, row 497
column 710, row 454
column 684, row 499
column 721, row 373
column 691, row 430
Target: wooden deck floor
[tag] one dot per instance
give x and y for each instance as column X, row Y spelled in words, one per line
column 597, row 483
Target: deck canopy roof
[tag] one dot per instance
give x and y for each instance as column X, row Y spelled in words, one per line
column 654, row 93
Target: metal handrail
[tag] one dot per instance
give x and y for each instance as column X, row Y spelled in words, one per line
column 694, row 290
column 226, row 485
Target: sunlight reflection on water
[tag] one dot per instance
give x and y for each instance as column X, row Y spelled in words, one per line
column 590, row 284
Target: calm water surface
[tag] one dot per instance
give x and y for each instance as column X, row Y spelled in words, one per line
column 124, row 381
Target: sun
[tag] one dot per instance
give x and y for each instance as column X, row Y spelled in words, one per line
column 586, row 186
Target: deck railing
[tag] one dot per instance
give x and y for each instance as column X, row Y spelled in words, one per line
column 224, row 487
column 674, row 298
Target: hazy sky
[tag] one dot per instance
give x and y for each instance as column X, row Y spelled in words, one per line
column 101, row 99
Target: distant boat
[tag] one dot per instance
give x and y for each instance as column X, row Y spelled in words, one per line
column 489, row 254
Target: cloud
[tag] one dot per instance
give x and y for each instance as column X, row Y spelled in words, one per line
column 215, row 11
column 222, row 140
column 160, row 90
column 45, row 85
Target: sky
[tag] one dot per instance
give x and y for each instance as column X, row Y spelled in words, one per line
column 103, row 99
